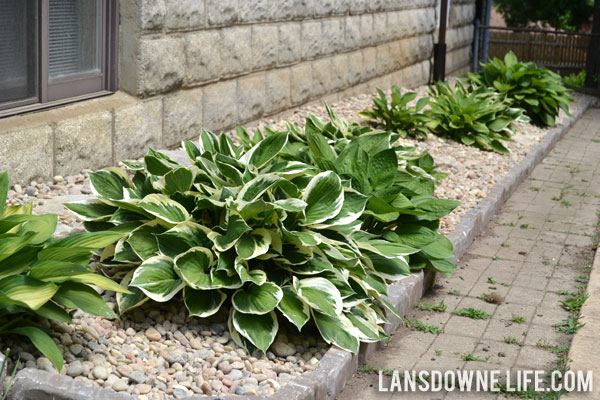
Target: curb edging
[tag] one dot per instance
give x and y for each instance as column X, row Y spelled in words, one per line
column 337, row 366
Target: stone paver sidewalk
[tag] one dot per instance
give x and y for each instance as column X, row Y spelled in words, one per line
column 534, row 254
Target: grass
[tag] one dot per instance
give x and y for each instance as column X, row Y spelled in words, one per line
column 524, row 226
column 582, row 279
column 472, row 357
column 454, row 292
column 494, row 282
column 441, row 307
column 372, row 368
column 438, row 353
column 546, row 262
column 511, row 340
column 565, row 203
column 575, row 301
column 517, row 319
column 562, row 292
column 473, row 313
column 495, row 258
column 505, row 245
column 534, row 188
column 420, row 326
column 570, row 325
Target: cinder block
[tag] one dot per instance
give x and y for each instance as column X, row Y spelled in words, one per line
column 369, row 63
column 251, row 97
column 366, row 29
column 184, row 14
column 277, row 92
column 333, row 32
column 312, row 40
column 353, row 32
column 265, row 45
column 83, row 142
column 27, row 153
column 380, row 28
column 236, row 54
column 161, row 65
column 203, row 55
column 220, row 105
column 355, row 67
column 285, row 10
column 138, row 126
column 301, row 83
column 152, row 14
column 339, row 72
column 322, row 76
column 183, row 118
column 230, row 12
column 290, row 48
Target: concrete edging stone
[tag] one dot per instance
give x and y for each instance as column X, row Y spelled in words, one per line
column 337, row 366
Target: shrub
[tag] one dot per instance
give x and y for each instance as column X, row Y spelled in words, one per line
column 476, row 118
column 575, row 80
column 537, row 90
column 265, row 233
column 397, row 116
column 39, row 275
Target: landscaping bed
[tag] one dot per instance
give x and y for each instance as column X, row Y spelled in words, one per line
column 158, row 352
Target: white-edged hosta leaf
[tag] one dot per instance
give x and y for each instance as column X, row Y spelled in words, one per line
column 108, row 184
column 79, row 296
column 257, row 187
column 156, row 277
column 253, row 244
column 386, row 248
column 237, row 338
column 179, row 180
column 260, row 330
column 391, row 268
column 203, row 303
column 255, row 299
column 291, row 204
column 127, row 301
column 293, row 308
column 33, row 292
column 320, row 294
column 255, row 276
column 324, row 197
column 194, row 267
column 43, row 227
column 183, row 237
column 143, row 240
column 10, row 243
column 265, row 150
column 337, row 329
column 236, row 227
column 365, row 324
column 163, row 207
column 93, row 210
column 352, row 209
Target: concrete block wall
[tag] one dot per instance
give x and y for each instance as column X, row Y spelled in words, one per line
column 188, row 64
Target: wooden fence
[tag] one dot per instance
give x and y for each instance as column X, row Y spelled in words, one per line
column 563, row 52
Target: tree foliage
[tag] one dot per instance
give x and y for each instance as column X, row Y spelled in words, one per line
column 566, row 15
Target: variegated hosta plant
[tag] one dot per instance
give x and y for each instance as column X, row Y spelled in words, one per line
column 266, row 235
column 41, row 275
column 398, row 181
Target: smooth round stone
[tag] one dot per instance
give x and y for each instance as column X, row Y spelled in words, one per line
column 46, row 365
column 144, row 389
column 100, row 372
column 282, row 349
column 76, row 349
column 138, row 377
column 153, row 335
column 236, row 374
column 75, row 369
column 120, row 385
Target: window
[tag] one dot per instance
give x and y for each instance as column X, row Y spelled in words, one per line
column 55, row 51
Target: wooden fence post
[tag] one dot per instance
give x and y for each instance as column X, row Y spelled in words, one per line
column 593, row 57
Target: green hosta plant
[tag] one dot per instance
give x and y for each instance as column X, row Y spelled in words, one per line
column 266, row 235
column 397, row 116
column 40, row 276
column 476, row 118
column 537, row 90
column 398, row 181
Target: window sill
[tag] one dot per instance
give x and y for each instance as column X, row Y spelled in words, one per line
column 30, row 108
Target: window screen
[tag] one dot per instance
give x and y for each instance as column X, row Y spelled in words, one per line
column 18, row 57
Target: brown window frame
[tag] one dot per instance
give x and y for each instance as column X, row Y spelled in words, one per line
column 59, row 91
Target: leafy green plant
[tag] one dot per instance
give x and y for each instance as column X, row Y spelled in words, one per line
column 537, row 90
column 420, row 326
column 517, row 319
column 575, row 80
column 472, row 357
column 511, row 340
column 570, row 325
column 41, row 275
column 302, row 224
column 473, row 313
column 397, row 116
column 3, row 369
column 441, row 307
column 475, row 118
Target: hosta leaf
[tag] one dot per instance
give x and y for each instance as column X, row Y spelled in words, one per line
column 10, row 244
column 98, row 280
column 253, row 244
column 42, row 226
column 194, row 267
column 128, row 301
column 260, row 330
column 79, row 296
column 163, row 207
column 324, row 197
column 3, row 190
column 257, row 186
column 90, row 240
column 265, row 150
column 382, row 168
column 291, row 205
column 183, row 237
column 203, row 303
column 255, row 299
column 42, row 342
column 236, row 227
column 52, row 311
column 256, row 276
column 108, row 184
column 19, row 262
column 156, row 277
column 365, row 325
column 352, row 208
column 293, row 308
column 30, row 291
column 338, row 330
column 392, row 269
column 320, row 294
column 92, row 210
column 179, row 180
column 143, row 240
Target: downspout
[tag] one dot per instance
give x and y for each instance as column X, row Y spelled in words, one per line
column 439, row 49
